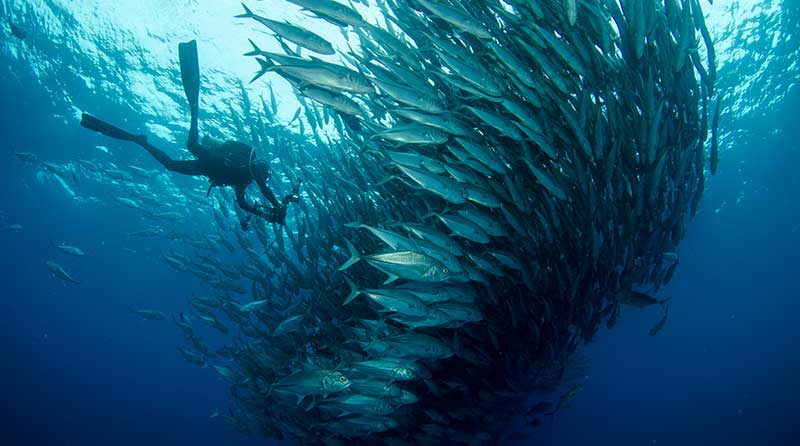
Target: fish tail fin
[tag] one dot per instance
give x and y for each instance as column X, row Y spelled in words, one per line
column 374, row 128
column 429, row 214
column 390, row 279
column 386, row 179
column 354, row 256
column 372, row 340
column 247, row 13
column 364, row 147
column 266, row 65
column 256, row 50
column 354, row 291
column 456, row 344
column 431, row 211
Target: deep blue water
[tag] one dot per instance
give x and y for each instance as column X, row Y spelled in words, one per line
column 79, row 369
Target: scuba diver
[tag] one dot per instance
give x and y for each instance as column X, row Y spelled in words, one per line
column 229, row 163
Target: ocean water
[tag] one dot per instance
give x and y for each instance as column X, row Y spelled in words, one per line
column 79, row 369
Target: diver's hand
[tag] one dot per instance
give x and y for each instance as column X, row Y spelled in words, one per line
column 245, row 223
column 293, row 195
column 276, row 214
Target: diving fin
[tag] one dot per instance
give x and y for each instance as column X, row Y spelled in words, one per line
column 94, row 124
column 190, row 73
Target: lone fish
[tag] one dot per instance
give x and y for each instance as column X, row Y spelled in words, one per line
column 660, row 325
column 58, row 271
column 567, row 399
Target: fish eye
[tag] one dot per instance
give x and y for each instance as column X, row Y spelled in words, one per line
column 342, row 379
column 445, row 270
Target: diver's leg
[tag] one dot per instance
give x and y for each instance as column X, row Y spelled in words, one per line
column 186, row 167
column 190, row 76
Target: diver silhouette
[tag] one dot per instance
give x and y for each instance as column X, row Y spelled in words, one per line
column 229, row 163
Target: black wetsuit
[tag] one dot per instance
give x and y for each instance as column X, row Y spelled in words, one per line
column 231, row 163
column 226, row 164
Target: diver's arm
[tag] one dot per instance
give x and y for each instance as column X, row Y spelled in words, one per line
column 241, row 200
column 268, row 194
column 276, row 214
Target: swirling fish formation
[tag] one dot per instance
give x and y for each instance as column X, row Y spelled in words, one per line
column 510, row 172
column 486, row 183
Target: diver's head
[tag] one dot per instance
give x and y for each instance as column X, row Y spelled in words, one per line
column 260, row 170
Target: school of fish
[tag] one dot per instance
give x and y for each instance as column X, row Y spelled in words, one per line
column 485, row 184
